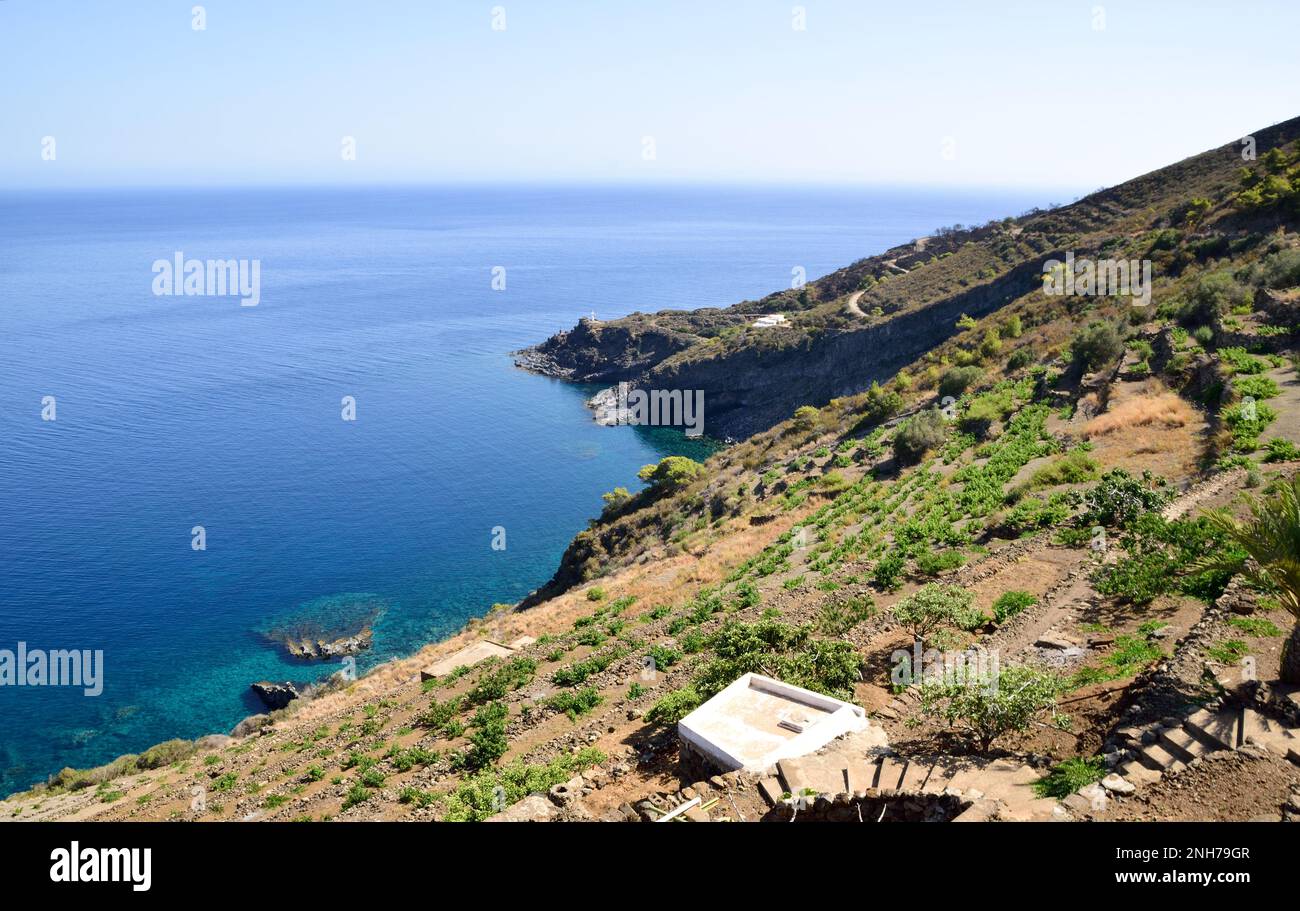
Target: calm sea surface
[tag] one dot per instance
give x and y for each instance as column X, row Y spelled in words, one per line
column 178, row 412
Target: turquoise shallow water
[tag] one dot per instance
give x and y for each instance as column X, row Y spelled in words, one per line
column 175, row 412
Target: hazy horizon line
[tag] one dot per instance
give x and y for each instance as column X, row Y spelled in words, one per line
column 555, row 184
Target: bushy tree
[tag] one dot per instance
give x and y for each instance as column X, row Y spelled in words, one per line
column 1119, row 498
column 918, row 436
column 805, row 419
column 1213, row 295
column 879, row 405
column 1097, row 344
column 957, row 380
column 936, row 606
column 671, row 473
column 991, row 708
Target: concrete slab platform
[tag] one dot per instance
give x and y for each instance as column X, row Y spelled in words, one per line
column 757, row 721
column 467, row 657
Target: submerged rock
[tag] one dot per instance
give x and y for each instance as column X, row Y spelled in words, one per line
column 335, row 648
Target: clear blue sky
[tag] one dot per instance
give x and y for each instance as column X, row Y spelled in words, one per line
column 1030, row 93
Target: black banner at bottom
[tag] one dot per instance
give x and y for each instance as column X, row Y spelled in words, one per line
column 338, row 860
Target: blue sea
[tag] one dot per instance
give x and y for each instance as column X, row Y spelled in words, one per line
column 174, row 412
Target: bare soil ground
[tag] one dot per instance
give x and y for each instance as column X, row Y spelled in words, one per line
column 1223, row 787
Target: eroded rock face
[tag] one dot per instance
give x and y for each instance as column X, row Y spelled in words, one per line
column 275, row 695
column 595, row 352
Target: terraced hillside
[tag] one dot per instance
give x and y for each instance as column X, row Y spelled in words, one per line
column 907, row 299
column 1030, row 482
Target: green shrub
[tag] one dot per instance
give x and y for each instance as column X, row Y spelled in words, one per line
column 575, row 703
column 488, row 742
column 1020, row 358
column 877, row 407
column 935, row 606
column 440, row 713
column 1032, row 513
column 1212, row 296
column 1257, row 387
column 496, row 683
column 1119, row 498
column 1069, row 776
column 1239, row 360
column 596, row 593
column 957, row 380
column 493, row 790
column 579, row 671
column 925, row 431
column 840, row 615
column 225, row 783
column 805, row 419
column 1097, row 344
column 672, row 473
column 1011, row 603
column 1139, row 579
column 1280, row 449
column 989, row 709
column 673, row 707
column 935, row 562
column 788, row 653
column 888, row 571
column 1278, row 270
column 663, row 656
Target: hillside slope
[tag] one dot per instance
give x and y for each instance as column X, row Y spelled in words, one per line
column 911, row 295
column 985, row 466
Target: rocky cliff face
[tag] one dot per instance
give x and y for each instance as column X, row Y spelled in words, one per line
column 756, row 386
column 595, row 352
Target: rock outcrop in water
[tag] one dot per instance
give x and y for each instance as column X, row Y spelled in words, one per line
column 275, row 695
column 317, row 648
column 327, row 628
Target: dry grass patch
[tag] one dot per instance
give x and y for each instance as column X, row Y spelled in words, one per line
column 1164, row 409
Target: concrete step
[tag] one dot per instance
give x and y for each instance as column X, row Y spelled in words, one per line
column 1158, row 759
column 979, row 811
column 918, row 770
column 940, row 775
column 823, row 774
column 771, row 791
column 1182, row 744
column 861, row 776
column 891, row 773
column 967, row 774
column 1218, row 729
column 1137, row 773
column 1267, row 732
column 787, row 773
column 1130, row 736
